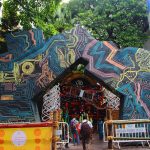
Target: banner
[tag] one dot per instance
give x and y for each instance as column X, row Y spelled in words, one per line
column 26, row 138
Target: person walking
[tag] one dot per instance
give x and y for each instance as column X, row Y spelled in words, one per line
column 86, row 132
column 74, row 132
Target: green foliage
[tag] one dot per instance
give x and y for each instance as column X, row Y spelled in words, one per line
column 29, row 13
column 121, row 21
column 10, row 17
column 80, row 68
column 24, row 14
column 48, row 28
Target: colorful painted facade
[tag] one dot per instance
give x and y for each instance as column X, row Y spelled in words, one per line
column 33, row 62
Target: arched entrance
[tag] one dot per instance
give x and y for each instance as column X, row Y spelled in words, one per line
column 83, row 94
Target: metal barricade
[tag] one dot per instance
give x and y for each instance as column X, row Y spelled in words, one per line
column 128, row 131
column 63, row 133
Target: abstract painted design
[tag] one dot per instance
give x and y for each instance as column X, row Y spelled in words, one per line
column 32, row 62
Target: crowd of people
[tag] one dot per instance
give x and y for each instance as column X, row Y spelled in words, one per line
column 81, row 132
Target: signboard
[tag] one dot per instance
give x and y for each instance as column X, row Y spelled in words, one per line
column 58, row 132
column 130, row 126
column 135, row 130
column 81, row 93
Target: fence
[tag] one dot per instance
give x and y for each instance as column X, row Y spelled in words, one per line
column 63, row 133
column 126, row 131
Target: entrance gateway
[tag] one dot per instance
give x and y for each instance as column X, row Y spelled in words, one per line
column 82, row 94
column 28, row 70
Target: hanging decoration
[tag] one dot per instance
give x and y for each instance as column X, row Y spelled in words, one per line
column 93, row 96
column 78, row 98
column 51, row 102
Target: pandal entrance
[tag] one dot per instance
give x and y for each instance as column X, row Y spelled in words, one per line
column 81, row 94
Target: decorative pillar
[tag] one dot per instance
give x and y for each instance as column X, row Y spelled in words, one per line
column 109, row 128
column 59, row 115
column 55, row 126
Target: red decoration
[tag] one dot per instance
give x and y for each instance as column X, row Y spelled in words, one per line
column 88, row 103
column 66, row 105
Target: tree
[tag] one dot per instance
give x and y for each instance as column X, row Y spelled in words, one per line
column 121, row 21
column 29, row 13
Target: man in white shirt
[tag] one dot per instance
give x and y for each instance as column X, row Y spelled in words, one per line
column 86, row 132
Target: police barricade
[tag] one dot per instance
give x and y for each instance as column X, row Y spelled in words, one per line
column 128, row 131
column 63, row 133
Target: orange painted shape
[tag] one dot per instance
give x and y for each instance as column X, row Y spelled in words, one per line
column 112, row 54
column 37, row 141
column 2, row 133
column 1, row 141
column 37, row 132
column 6, row 58
column 37, row 148
column 1, row 148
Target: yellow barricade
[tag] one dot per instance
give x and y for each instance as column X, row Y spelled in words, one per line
column 26, row 137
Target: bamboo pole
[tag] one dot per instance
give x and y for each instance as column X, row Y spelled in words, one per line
column 55, row 121
column 130, row 121
column 132, row 138
column 109, row 127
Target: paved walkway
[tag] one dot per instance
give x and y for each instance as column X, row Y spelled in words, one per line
column 100, row 145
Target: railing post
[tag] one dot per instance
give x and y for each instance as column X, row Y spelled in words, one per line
column 55, row 122
column 109, row 126
column 59, row 114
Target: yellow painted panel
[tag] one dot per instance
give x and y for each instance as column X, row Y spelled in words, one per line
column 32, row 138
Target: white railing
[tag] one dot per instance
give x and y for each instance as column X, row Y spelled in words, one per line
column 63, row 133
column 128, row 131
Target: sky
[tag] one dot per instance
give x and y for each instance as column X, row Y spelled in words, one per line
column 0, row 11
column 65, row 1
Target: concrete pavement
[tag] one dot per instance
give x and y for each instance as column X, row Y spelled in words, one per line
column 100, row 145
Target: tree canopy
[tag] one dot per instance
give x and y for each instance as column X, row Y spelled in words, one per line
column 121, row 21
column 29, row 13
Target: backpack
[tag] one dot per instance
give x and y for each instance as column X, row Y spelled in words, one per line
column 73, row 128
column 86, row 130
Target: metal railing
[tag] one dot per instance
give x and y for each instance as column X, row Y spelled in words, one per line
column 63, row 133
column 126, row 131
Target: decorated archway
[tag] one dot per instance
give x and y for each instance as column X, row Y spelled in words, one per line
column 33, row 65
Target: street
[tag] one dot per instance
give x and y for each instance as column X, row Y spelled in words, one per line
column 100, row 145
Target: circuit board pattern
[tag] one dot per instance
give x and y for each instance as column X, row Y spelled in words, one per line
column 33, row 62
